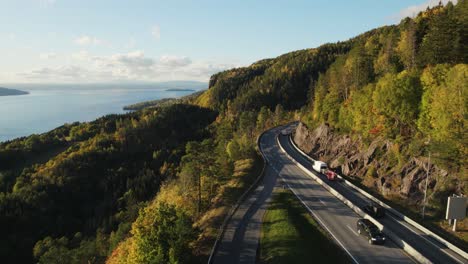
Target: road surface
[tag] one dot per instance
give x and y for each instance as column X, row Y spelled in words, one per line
column 427, row 246
column 336, row 217
column 240, row 241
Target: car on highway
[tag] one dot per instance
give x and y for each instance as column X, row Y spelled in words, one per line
column 374, row 210
column 370, row 231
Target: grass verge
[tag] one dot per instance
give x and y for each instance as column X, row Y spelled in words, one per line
column 291, row 235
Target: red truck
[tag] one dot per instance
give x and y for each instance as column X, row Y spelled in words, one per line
column 330, row 175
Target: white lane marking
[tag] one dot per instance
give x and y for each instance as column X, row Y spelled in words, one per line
column 321, row 222
column 352, row 230
column 322, row 201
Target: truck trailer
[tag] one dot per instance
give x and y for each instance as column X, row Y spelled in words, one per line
column 321, row 167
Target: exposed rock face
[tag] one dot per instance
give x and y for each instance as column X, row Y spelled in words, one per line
column 378, row 165
column 213, row 80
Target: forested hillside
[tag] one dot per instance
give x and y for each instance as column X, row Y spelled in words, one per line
column 398, row 96
column 80, row 186
column 406, row 85
column 398, row 91
column 153, row 186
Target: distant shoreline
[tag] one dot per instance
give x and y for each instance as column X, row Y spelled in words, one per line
column 11, row 92
column 163, row 101
column 179, row 90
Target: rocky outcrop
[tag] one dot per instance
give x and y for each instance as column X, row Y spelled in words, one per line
column 377, row 164
column 213, row 80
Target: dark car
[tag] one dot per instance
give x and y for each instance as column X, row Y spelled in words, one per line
column 374, row 210
column 370, row 231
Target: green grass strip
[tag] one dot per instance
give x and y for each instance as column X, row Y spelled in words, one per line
column 291, row 235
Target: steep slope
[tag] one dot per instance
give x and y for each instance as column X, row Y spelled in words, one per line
column 399, row 95
column 98, row 177
column 283, row 80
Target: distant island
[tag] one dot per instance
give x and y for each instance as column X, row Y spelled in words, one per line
column 179, row 90
column 7, row 91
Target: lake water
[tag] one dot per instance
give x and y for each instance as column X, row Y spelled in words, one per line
column 48, row 108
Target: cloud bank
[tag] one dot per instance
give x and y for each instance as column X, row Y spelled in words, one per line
column 131, row 66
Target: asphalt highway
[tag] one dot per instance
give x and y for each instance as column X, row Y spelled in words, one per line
column 336, row 217
column 426, row 245
column 241, row 238
column 240, row 241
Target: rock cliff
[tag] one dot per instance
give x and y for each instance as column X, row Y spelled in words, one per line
column 378, row 165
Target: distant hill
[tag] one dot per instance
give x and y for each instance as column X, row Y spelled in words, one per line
column 6, row 91
column 192, row 85
column 164, row 101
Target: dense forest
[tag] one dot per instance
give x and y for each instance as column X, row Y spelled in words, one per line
column 152, row 186
column 407, row 85
column 88, row 179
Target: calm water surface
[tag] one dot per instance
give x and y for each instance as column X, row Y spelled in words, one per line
column 45, row 109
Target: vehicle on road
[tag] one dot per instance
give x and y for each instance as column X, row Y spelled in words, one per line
column 370, row 231
column 331, row 175
column 321, row 167
column 374, row 210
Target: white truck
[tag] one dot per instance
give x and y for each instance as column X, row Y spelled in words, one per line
column 321, row 167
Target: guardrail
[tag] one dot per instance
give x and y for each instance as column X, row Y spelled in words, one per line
column 398, row 241
column 234, row 208
column 391, row 210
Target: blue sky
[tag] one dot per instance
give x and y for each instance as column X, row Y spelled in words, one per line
column 59, row 41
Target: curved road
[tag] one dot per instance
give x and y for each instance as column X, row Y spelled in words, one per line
column 240, row 241
column 241, row 237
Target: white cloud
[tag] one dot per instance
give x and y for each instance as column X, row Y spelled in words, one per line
column 64, row 73
column 133, row 66
column 80, row 55
column 133, row 59
column 412, row 11
column 156, row 32
column 48, row 55
column 174, row 61
column 87, row 40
